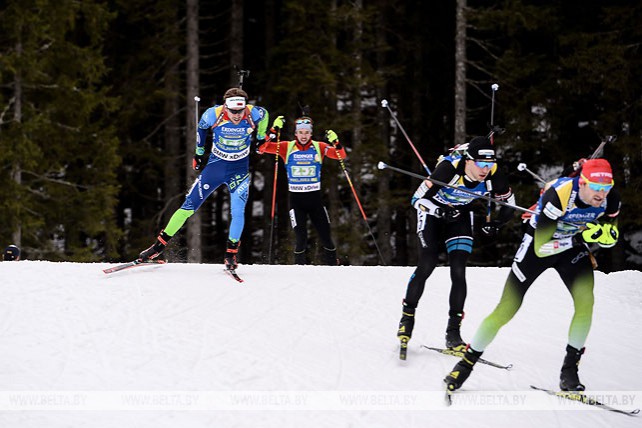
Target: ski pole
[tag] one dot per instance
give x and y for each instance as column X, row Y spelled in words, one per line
column 494, row 87
column 522, row 167
column 276, row 171
column 384, row 104
column 382, row 165
column 196, row 100
column 363, row 214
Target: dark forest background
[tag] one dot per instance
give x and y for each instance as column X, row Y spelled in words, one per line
column 97, row 114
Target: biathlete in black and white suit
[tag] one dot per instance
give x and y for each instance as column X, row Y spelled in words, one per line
column 444, row 215
column 303, row 158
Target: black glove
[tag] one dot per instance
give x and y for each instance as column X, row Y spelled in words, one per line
column 451, row 214
column 200, row 161
column 491, row 228
column 259, row 143
column 578, row 241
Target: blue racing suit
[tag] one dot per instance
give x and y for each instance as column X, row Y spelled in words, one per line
column 228, row 162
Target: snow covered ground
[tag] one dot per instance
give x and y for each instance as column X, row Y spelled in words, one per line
column 182, row 345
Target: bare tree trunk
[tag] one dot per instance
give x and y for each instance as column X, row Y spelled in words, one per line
column 357, row 131
column 236, row 40
column 16, row 170
column 460, row 73
column 194, row 250
column 172, row 188
column 236, row 60
column 384, row 213
column 268, row 223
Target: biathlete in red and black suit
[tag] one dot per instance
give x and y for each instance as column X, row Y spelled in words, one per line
column 303, row 158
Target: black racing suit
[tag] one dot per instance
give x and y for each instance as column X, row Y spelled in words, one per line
column 435, row 226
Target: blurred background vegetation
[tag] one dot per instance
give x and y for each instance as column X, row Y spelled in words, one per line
column 97, row 114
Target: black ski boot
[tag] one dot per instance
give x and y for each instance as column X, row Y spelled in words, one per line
column 404, row 332
column 300, row 258
column 406, row 323
column 453, row 336
column 156, row 249
column 458, row 375
column 230, row 255
column 330, row 257
column 569, row 380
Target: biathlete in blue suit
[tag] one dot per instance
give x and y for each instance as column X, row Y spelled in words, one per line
column 232, row 125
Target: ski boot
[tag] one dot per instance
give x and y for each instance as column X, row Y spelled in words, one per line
column 230, row 255
column 330, row 257
column 300, row 258
column 156, row 249
column 404, row 333
column 458, row 375
column 569, row 380
column 453, row 336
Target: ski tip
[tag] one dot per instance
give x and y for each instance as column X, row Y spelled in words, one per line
column 137, row 262
column 381, row 165
column 233, row 274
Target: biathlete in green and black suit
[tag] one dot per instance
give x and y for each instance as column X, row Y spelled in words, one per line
column 568, row 210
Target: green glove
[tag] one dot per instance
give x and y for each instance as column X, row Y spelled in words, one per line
column 592, row 233
column 609, row 237
column 278, row 122
column 331, row 136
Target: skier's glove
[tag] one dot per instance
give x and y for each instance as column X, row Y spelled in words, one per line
column 331, row 136
column 592, row 233
column 259, row 143
column 609, row 237
column 429, row 207
column 200, row 161
column 451, row 215
column 278, row 122
column 491, row 228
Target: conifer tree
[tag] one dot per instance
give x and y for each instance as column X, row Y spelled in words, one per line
column 58, row 154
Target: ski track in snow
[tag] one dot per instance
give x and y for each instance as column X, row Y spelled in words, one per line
column 179, row 327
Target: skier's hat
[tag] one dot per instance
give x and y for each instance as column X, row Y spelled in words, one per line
column 235, row 98
column 597, row 171
column 480, row 148
column 304, row 122
column 11, row 253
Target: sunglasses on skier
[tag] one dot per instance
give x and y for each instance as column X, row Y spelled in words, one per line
column 598, row 187
column 485, row 164
column 302, row 121
column 239, row 111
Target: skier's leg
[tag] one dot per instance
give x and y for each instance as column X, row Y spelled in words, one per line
column 428, row 234
column 208, row 181
column 459, row 245
column 576, row 270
